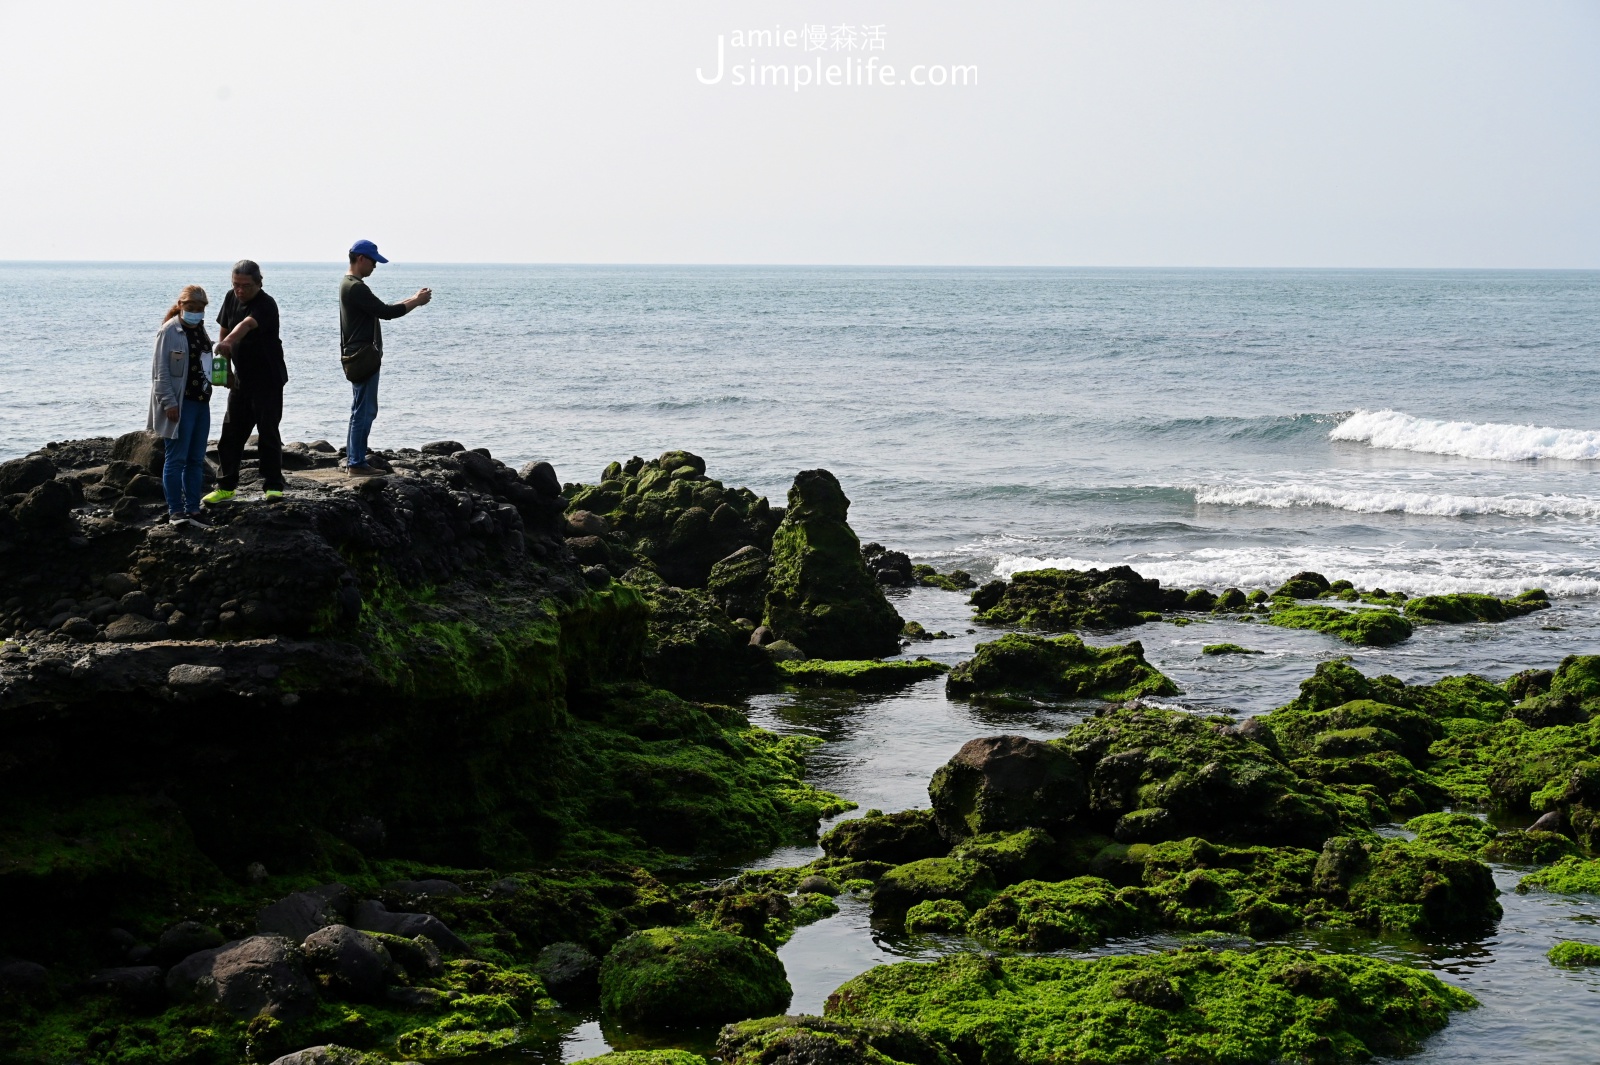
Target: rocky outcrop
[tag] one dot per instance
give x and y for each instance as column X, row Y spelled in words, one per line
column 669, row 977
column 819, row 594
column 1004, row 783
column 262, row 974
column 1064, row 667
column 1075, row 599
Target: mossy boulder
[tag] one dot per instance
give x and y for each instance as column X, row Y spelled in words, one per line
column 1004, row 784
column 967, row 882
column 1064, row 666
column 1453, row 831
column 1461, row 607
column 1409, row 886
column 820, row 596
column 692, row 647
column 805, row 1040
column 1158, row 774
column 871, row 675
column 1304, row 585
column 1574, row 955
column 1025, row 855
column 738, row 583
column 1060, row 600
column 684, row 977
column 1368, row 627
column 1362, row 725
column 937, row 915
column 1569, row 876
column 1277, row 1004
column 1041, row 916
column 1214, row 649
column 646, row 1057
column 897, row 838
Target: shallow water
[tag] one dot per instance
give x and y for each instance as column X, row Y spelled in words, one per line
column 1423, row 431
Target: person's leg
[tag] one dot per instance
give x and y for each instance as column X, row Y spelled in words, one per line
column 196, row 430
column 236, row 425
column 172, row 469
column 363, row 411
column 268, row 405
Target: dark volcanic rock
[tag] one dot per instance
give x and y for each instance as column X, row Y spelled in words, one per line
column 820, row 596
column 895, row 838
column 1075, row 599
column 350, row 964
column 140, row 985
column 570, row 972
column 1004, row 783
column 374, row 917
column 297, row 916
column 261, row 974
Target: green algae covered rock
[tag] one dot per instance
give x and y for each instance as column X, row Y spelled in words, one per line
column 1460, row 607
column 1574, row 955
column 805, row 1040
column 1013, row 856
column 1082, row 912
column 1058, row 599
column 1158, row 774
column 767, row 916
column 1408, row 886
column 820, row 596
column 645, row 1057
column 691, row 646
column 1569, row 876
column 1212, row 649
column 897, row 838
column 937, row 915
column 683, row 977
column 967, row 882
column 1367, row 627
column 738, row 583
column 1453, row 831
column 871, row 675
column 1273, row 1005
column 1005, row 784
column 1064, row 666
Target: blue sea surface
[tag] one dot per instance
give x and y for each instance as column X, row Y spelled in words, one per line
column 1422, row 431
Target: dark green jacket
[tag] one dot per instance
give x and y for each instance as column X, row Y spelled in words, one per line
column 359, row 314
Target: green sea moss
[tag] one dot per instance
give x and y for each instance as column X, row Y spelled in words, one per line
column 1574, row 955
column 1569, row 876
column 805, row 1040
column 678, row 977
column 902, row 887
column 1461, row 607
column 1457, row 832
column 1511, row 765
column 897, row 838
column 1213, row 649
column 870, row 675
column 1064, row 666
column 1036, row 915
column 691, row 646
column 1012, row 856
column 1272, row 1005
column 1408, row 886
column 937, row 915
column 645, row 1057
column 1366, row 627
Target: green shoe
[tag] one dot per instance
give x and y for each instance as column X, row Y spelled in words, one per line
column 272, row 493
column 221, row 495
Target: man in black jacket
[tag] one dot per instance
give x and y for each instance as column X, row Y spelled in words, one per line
column 359, row 315
column 256, row 376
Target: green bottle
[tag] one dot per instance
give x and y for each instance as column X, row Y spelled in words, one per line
column 219, row 369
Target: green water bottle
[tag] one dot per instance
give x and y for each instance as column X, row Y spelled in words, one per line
column 219, row 369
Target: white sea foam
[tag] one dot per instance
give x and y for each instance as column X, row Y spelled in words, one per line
column 1394, row 501
column 1478, row 440
column 1413, row 570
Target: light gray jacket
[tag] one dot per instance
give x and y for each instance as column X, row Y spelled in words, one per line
column 169, row 372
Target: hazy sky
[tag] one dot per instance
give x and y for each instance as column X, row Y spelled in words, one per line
column 1342, row 133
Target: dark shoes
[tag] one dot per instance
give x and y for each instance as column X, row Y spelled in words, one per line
column 362, row 471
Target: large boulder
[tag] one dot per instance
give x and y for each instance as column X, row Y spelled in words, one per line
column 820, row 596
column 372, row 916
column 1005, row 783
column 24, row 474
column 1060, row 599
column 143, row 448
column 895, row 838
column 677, row 977
column 1065, row 667
column 570, row 972
column 262, row 974
column 297, row 916
column 738, row 583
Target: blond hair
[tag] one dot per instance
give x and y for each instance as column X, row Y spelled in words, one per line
column 190, row 292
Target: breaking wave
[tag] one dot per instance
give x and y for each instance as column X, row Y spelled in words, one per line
column 1432, row 504
column 1477, row 440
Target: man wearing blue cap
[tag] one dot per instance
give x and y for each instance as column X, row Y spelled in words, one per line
column 361, row 347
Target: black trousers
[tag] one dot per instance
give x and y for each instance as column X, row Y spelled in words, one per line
column 257, row 410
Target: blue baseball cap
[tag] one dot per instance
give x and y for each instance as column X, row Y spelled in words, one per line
column 367, row 248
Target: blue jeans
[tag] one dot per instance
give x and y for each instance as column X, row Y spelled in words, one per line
column 363, row 412
column 185, row 469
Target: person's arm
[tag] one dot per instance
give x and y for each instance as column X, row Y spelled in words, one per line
column 236, row 334
column 364, row 301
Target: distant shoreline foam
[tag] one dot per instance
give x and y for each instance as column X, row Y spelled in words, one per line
column 1430, row 504
column 1399, row 431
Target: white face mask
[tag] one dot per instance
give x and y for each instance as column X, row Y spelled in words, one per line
column 194, row 317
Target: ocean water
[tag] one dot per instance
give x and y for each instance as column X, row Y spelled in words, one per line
column 1422, row 431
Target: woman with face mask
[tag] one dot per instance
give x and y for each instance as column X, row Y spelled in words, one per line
column 180, row 400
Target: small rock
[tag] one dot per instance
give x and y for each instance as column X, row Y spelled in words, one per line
column 351, row 963
column 584, row 523
column 127, row 510
column 139, row 984
column 442, row 447
column 131, row 628
column 762, row 636
column 185, row 938
column 570, row 972
column 330, row 1054
column 23, row 977
column 77, row 628
column 784, row 651
column 137, row 603
column 297, row 916
column 817, row 885
column 1548, row 822
column 192, row 678
column 541, row 477
column 479, row 466
column 144, row 486
column 255, row 873
column 373, row 916
column 118, row 585
column 596, row 576
column 417, row 998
